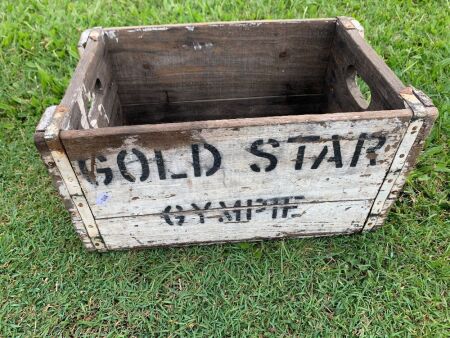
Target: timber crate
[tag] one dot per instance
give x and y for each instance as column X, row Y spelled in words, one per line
column 222, row 132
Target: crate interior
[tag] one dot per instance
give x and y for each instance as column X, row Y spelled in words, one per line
column 187, row 73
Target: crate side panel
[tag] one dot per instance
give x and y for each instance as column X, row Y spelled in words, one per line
column 145, row 173
column 351, row 51
column 168, row 64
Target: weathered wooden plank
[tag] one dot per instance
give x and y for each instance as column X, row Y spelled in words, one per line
column 101, row 112
column 428, row 117
column 350, row 53
column 73, row 187
column 55, row 174
column 93, row 106
column 74, row 110
column 74, row 190
column 89, row 99
column 397, row 165
column 224, row 109
column 221, row 225
column 84, row 37
column 148, row 168
column 57, row 180
column 159, row 64
column 89, row 222
column 49, row 161
column 80, row 230
column 79, row 94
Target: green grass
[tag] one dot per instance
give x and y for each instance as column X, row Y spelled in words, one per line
column 391, row 282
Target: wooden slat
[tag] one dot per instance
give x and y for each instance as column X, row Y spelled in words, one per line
column 102, row 110
column 308, row 219
column 224, row 109
column 73, row 187
column 89, row 99
column 160, row 64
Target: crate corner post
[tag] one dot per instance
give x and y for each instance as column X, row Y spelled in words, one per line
column 424, row 114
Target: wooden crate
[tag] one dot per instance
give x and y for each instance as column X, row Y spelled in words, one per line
column 222, row 132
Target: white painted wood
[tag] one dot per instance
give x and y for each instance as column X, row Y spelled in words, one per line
column 84, row 37
column 64, row 193
column 46, row 118
column 406, row 156
column 83, row 235
column 397, row 165
column 74, row 191
column 89, row 221
column 235, row 179
column 73, row 188
column 308, row 219
column 59, row 184
column 57, row 179
column 66, row 171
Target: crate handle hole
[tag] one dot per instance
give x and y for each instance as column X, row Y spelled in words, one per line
column 98, row 87
column 359, row 89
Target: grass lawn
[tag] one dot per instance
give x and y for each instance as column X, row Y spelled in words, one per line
column 394, row 281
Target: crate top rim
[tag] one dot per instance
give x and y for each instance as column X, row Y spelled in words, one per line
column 235, row 123
column 219, row 23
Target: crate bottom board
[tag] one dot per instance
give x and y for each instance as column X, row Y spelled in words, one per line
column 243, row 223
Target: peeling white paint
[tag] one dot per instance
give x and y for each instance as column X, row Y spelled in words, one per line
column 197, row 46
column 90, row 98
column 155, row 28
column 237, row 24
column 201, row 45
column 83, row 116
column 112, row 35
column 107, row 118
column 83, row 40
column 101, row 109
column 148, row 29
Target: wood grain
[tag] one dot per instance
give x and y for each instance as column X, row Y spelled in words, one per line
column 161, row 64
column 235, row 179
column 351, row 51
column 424, row 115
column 316, row 219
column 224, row 109
column 57, row 180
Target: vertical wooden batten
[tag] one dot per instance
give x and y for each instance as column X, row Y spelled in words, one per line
column 57, row 179
column 65, row 116
column 424, row 115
